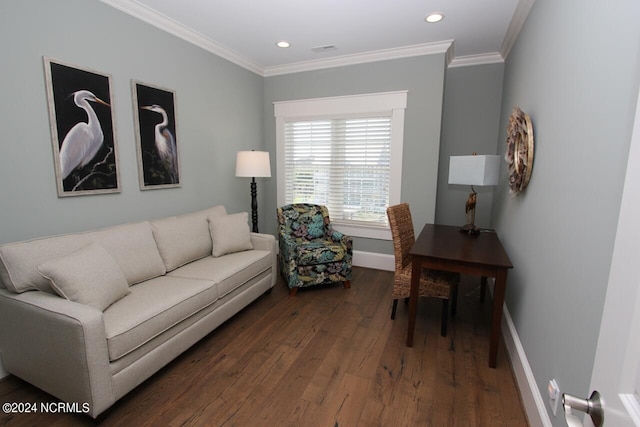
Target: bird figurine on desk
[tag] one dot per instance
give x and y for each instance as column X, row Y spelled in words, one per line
column 165, row 143
column 470, row 212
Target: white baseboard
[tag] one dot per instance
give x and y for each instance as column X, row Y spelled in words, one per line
column 534, row 404
column 374, row 260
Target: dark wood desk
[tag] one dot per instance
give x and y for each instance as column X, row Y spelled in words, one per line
column 443, row 247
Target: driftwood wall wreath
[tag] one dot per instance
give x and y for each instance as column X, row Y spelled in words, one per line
column 519, row 155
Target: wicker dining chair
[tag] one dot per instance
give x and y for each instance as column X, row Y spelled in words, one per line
column 433, row 283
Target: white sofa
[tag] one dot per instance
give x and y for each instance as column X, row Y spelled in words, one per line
column 87, row 317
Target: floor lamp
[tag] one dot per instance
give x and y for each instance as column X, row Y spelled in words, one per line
column 253, row 164
column 474, row 171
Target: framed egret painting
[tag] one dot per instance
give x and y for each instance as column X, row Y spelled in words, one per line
column 83, row 136
column 155, row 121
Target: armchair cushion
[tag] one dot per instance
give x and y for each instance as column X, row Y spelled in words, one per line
column 319, row 251
column 305, row 221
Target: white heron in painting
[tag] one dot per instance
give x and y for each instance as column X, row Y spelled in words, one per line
column 84, row 140
column 165, row 143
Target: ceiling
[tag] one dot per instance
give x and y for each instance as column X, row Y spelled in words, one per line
column 246, row 31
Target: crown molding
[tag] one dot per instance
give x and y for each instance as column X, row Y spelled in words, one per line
column 515, row 26
column 164, row 23
column 152, row 17
column 470, row 60
column 362, row 58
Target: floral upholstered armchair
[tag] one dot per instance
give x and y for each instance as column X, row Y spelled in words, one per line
column 311, row 251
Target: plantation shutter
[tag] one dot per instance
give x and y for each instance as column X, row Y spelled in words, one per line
column 342, row 163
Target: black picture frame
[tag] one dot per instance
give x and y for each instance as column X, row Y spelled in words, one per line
column 80, row 108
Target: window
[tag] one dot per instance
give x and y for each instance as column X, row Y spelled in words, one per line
column 345, row 153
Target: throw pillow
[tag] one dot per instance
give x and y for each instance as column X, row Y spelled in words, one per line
column 184, row 238
column 230, row 233
column 88, row 276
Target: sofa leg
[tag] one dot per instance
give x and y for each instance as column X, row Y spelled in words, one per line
column 347, row 284
column 293, row 292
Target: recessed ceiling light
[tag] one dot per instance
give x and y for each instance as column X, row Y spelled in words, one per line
column 283, row 44
column 434, row 17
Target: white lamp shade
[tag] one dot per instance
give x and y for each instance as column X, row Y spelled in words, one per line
column 253, row 164
column 474, row 170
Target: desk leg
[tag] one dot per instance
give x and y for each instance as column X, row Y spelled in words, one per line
column 496, row 319
column 416, row 267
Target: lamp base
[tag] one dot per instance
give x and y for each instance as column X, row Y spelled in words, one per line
column 254, row 206
column 470, row 212
column 470, row 229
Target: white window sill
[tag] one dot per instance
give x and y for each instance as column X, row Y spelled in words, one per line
column 357, row 230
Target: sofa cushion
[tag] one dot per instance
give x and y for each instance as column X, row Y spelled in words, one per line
column 230, row 233
column 131, row 245
column 153, row 307
column 133, row 248
column 184, row 238
column 229, row 271
column 89, row 276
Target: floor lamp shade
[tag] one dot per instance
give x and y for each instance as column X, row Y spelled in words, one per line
column 473, row 170
column 253, row 164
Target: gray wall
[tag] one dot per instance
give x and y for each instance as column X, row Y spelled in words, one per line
column 423, row 77
column 470, row 120
column 219, row 107
column 574, row 69
column 576, row 76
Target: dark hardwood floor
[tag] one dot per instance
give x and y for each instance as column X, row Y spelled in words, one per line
column 328, row 357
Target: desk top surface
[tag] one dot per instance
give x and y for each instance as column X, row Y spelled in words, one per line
column 449, row 243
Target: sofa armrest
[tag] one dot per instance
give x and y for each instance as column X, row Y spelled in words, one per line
column 267, row 242
column 57, row 345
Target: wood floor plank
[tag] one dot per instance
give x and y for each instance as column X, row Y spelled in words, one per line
column 328, row 357
column 347, row 402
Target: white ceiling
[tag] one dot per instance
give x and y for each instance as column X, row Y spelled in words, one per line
column 246, row 31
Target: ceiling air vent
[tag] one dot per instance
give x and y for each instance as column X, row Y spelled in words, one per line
column 319, row 49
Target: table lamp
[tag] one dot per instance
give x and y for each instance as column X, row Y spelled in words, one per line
column 253, row 164
column 473, row 170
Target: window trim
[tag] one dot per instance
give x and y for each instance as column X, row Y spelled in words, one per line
column 394, row 103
